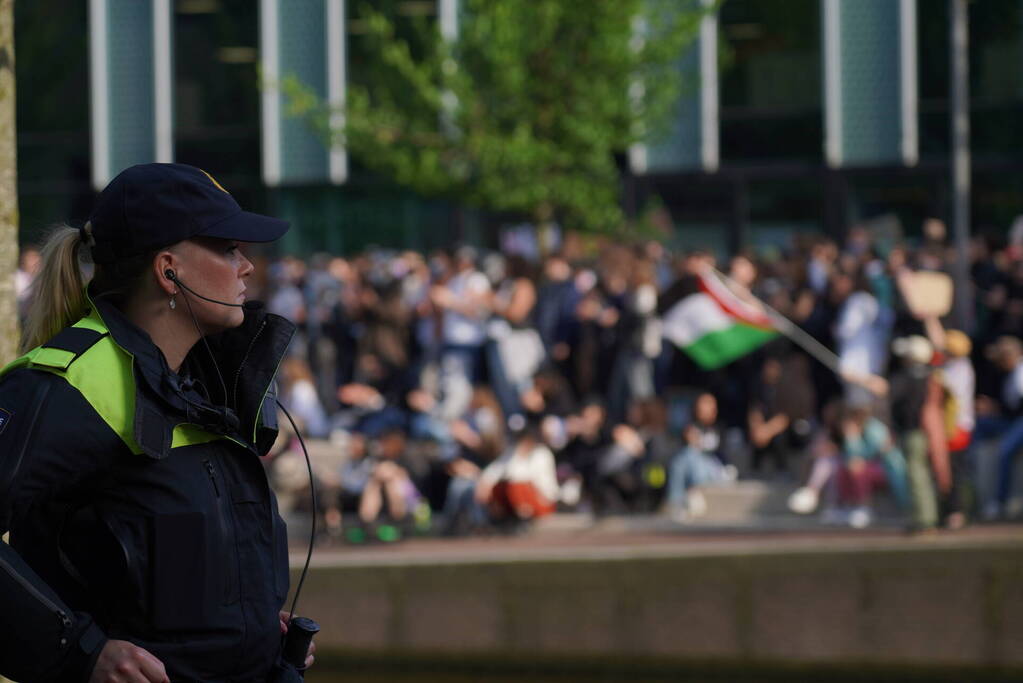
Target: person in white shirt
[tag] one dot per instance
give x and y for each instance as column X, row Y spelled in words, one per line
column 861, row 330
column 298, row 393
column 463, row 302
column 522, row 483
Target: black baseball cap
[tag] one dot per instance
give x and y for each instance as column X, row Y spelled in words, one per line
column 151, row 206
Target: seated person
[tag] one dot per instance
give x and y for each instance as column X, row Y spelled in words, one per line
column 698, row 463
column 375, row 401
column 870, row 460
column 478, row 440
column 825, row 461
column 617, row 484
column 606, row 461
column 778, row 420
column 377, row 485
column 521, row 485
column 649, row 417
column 588, row 437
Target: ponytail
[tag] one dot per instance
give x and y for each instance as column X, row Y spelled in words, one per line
column 57, row 296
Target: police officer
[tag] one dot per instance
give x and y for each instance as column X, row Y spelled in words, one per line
column 145, row 543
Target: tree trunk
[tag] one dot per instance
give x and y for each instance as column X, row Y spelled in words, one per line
column 8, row 189
column 8, row 196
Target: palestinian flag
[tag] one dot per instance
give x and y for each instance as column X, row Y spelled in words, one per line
column 714, row 326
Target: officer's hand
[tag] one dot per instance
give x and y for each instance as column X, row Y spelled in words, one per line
column 309, row 658
column 123, row 662
column 284, row 617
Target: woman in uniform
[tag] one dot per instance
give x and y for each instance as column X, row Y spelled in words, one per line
column 145, row 543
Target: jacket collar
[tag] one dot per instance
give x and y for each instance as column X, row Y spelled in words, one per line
column 247, row 358
column 149, row 362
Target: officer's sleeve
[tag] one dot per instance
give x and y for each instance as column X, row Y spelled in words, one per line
column 41, row 639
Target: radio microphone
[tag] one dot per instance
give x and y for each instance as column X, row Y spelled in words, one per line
column 173, row 277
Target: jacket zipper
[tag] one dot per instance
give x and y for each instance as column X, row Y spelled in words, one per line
column 213, row 480
column 211, row 471
column 248, row 351
column 65, row 620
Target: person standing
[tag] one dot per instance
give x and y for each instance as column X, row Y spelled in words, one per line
column 145, row 541
column 862, row 330
column 463, row 302
column 1007, row 355
column 910, row 388
column 961, row 382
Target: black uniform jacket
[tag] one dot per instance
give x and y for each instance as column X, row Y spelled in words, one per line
column 178, row 550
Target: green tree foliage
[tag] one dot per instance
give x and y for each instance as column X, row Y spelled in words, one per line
column 523, row 112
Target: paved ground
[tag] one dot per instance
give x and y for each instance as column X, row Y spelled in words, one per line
column 624, row 538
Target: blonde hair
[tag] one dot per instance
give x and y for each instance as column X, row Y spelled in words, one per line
column 57, row 295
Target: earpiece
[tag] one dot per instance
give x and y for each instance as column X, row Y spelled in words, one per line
column 170, row 275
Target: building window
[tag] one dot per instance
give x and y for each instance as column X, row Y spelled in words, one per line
column 216, row 98
column 52, row 63
column 770, row 80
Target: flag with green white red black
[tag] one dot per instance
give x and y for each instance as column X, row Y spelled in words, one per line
column 716, row 326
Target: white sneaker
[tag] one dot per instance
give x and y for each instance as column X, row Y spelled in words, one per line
column 803, row 501
column 696, row 504
column 729, row 473
column 571, row 492
column 859, row 518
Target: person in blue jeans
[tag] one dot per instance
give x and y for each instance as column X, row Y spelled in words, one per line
column 1007, row 354
column 698, row 463
column 476, row 440
column 871, row 459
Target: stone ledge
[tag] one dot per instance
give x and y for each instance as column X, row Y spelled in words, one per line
column 921, row 605
column 417, row 667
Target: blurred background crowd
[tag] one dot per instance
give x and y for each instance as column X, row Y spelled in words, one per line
column 500, row 212
column 467, row 391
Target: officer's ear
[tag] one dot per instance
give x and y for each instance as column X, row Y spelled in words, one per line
column 165, row 267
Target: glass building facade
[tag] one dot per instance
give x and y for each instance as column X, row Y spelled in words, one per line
column 824, row 113
column 889, row 82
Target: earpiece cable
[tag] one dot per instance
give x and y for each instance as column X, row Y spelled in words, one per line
column 312, row 496
column 216, row 367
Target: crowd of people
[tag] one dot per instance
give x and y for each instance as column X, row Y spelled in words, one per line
column 466, row 391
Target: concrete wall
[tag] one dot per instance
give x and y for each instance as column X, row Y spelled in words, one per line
column 926, row 605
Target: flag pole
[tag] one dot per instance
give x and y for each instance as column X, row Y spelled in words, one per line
column 792, row 331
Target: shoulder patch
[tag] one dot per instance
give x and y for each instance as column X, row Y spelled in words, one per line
column 5, row 417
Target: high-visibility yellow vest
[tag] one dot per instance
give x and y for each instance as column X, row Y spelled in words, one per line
column 104, row 375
